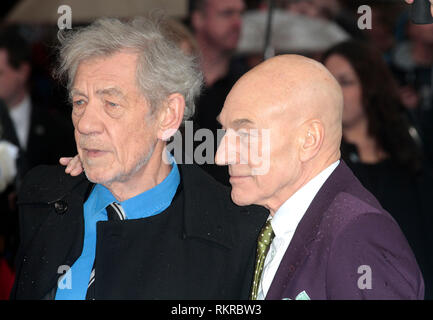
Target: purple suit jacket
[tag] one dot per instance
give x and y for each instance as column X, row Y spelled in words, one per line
column 347, row 247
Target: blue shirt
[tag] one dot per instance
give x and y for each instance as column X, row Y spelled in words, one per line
column 146, row 204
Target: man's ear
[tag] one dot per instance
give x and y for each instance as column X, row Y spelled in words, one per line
column 313, row 134
column 171, row 116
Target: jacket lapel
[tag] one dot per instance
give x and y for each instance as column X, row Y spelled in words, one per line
column 306, row 231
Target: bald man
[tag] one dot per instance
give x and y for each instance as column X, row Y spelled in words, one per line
column 326, row 237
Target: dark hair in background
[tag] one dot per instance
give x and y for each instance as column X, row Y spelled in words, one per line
column 17, row 48
column 388, row 123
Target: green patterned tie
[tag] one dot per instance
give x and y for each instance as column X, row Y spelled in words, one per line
column 263, row 244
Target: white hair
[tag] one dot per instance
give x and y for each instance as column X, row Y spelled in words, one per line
column 162, row 67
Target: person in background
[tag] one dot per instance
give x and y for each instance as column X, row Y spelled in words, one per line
column 411, row 62
column 216, row 26
column 179, row 34
column 378, row 146
column 40, row 135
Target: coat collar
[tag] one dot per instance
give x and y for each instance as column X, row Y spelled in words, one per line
column 209, row 212
column 307, row 230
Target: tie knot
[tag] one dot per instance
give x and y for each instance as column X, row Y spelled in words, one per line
column 265, row 237
column 115, row 212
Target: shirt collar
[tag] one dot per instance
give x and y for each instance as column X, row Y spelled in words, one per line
column 21, row 111
column 288, row 216
column 145, row 204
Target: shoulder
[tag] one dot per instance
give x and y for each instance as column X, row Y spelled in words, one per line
column 371, row 244
column 206, row 196
column 46, row 190
column 46, row 184
column 197, row 180
column 359, row 235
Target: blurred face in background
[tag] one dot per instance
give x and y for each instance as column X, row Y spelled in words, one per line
column 343, row 71
column 12, row 81
column 220, row 23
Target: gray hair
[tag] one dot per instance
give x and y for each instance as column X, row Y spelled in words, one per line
column 162, row 68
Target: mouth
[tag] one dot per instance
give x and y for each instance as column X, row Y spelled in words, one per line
column 94, row 153
column 236, row 179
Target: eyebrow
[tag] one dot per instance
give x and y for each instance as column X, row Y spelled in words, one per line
column 113, row 91
column 241, row 122
column 238, row 122
column 76, row 92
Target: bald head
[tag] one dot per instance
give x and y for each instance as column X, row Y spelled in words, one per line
column 300, row 103
column 297, row 89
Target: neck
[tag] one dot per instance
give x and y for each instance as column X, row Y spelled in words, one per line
column 367, row 147
column 214, row 61
column 309, row 171
column 147, row 177
column 422, row 53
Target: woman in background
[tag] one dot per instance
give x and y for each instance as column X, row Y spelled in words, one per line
column 382, row 148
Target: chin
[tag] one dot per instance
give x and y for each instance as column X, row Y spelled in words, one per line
column 240, row 199
column 99, row 176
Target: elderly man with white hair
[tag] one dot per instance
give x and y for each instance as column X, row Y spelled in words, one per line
column 136, row 225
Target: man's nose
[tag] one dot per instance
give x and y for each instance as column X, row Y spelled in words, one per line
column 227, row 150
column 90, row 120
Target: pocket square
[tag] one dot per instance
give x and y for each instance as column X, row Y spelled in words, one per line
column 302, row 296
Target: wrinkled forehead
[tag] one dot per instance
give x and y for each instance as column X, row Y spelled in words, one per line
column 117, row 71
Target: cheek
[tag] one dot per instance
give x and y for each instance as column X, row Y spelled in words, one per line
column 352, row 102
column 131, row 144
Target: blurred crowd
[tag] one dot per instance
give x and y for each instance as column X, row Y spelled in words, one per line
column 385, row 72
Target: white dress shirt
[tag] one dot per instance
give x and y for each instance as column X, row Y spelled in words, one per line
column 20, row 116
column 284, row 223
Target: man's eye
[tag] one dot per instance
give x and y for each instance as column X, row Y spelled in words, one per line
column 346, row 82
column 78, row 103
column 112, row 104
column 243, row 133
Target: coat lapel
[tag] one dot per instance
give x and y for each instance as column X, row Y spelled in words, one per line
column 306, row 231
